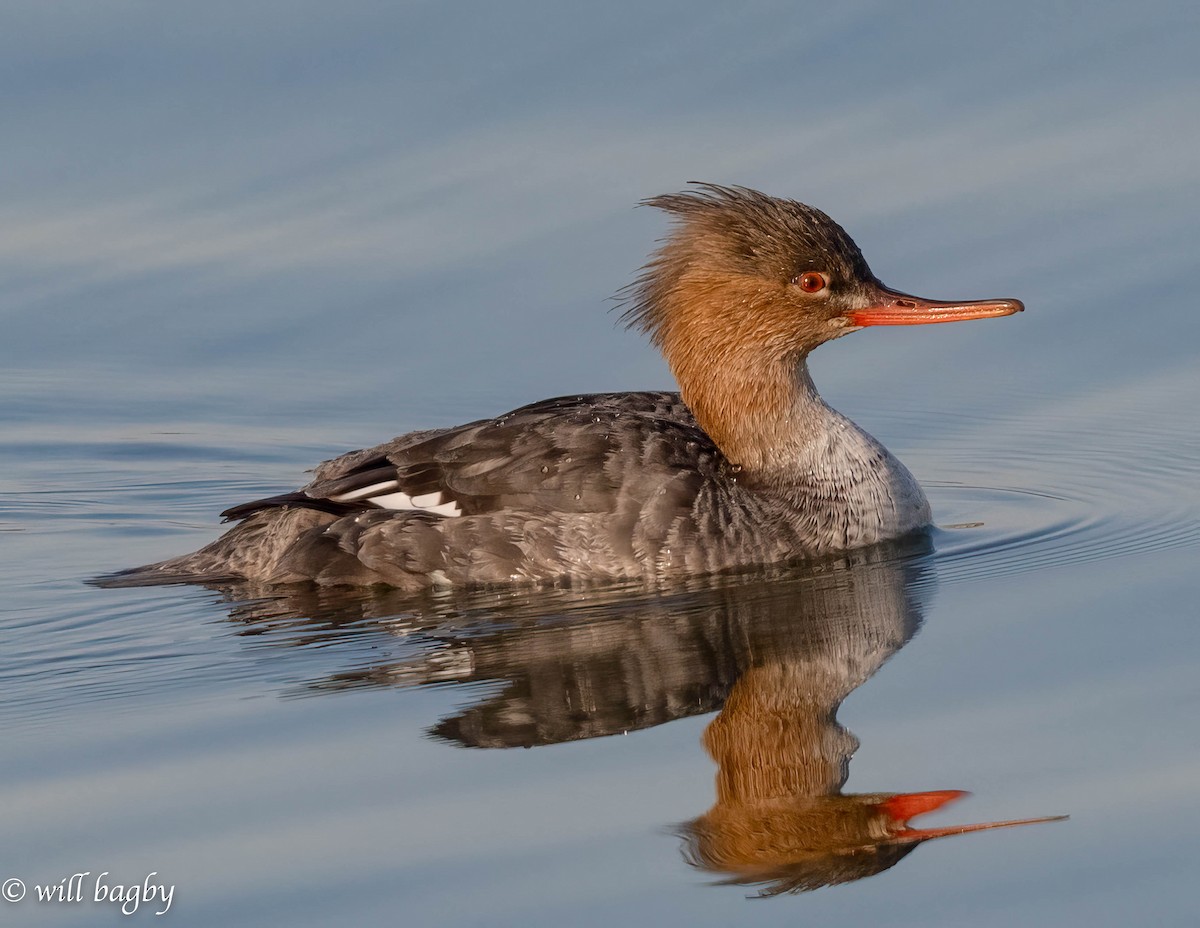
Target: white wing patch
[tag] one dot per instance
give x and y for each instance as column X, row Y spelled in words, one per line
column 363, row 492
column 378, row 494
column 430, row 502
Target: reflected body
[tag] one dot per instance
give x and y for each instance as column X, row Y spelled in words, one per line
column 746, row 466
column 776, row 654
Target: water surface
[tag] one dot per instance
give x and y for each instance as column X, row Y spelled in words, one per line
column 232, row 249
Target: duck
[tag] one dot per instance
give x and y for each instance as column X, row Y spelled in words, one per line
column 745, row 466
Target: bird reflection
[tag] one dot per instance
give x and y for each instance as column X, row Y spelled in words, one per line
column 775, row 652
column 781, row 819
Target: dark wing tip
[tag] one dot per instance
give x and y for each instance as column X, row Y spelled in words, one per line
column 298, row 499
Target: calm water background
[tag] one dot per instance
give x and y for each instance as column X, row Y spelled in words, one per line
column 239, row 239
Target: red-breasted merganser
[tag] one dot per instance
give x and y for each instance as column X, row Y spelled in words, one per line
column 745, row 466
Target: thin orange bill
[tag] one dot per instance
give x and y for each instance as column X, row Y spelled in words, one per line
column 890, row 307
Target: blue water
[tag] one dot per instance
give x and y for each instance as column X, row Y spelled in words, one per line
column 238, row 241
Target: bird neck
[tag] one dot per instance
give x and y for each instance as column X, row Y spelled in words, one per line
column 765, row 417
column 777, row 736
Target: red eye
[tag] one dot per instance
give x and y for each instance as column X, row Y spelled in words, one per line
column 811, row 282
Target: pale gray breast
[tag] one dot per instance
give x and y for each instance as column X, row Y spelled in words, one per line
column 851, row 491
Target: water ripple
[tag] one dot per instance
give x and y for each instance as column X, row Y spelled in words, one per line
column 1088, row 479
